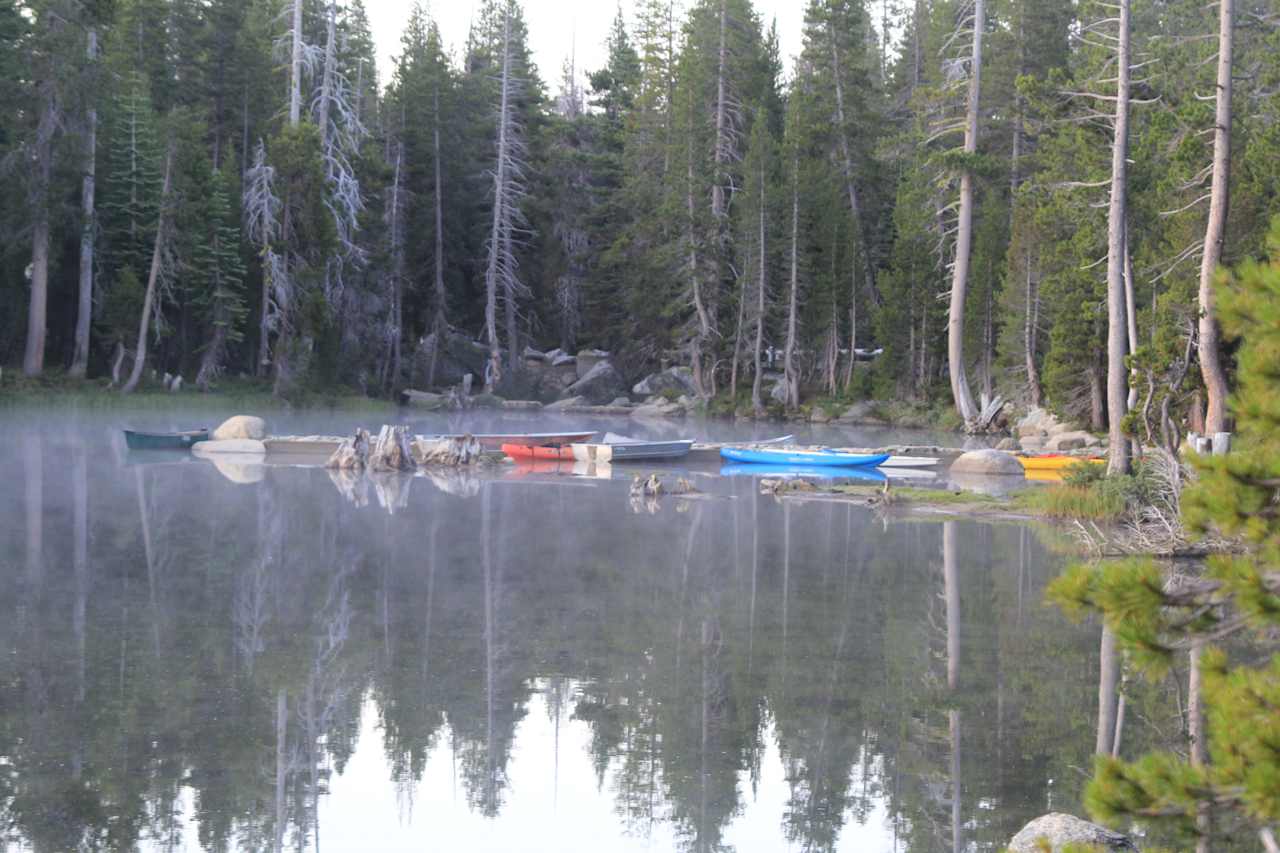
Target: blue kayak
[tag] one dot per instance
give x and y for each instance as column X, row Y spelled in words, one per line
column 820, row 472
column 824, row 458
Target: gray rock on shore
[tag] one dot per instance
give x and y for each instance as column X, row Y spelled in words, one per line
column 988, row 463
column 676, row 380
column 1059, row 830
column 600, row 385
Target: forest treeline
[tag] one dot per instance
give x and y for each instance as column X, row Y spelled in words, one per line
column 225, row 187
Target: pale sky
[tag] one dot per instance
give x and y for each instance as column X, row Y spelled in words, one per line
column 555, row 26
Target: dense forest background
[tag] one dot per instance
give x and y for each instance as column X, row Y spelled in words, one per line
column 226, row 187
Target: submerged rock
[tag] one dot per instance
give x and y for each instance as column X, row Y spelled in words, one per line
column 987, row 463
column 1076, row 440
column 241, row 427
column 1053, row 832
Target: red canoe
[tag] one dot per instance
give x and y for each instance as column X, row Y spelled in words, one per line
column 550, row 452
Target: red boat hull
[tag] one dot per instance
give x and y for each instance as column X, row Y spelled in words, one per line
column 549, row 453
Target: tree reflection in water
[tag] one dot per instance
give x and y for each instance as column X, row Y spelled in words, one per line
column 179, row 647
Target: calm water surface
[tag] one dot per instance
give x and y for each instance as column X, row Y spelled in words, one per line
column 255, row 658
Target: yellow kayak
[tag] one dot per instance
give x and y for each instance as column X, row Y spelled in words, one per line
column 1056, row 462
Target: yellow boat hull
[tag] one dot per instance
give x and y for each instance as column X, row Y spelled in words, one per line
column 1056, row 463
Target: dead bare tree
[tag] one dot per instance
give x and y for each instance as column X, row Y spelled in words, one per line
column 1215, row 377
column 89, row 223
column 395, row 220
column 964, row 236
column 440, row 320
column 262, row 208
column 49, row 118
column 150, row 302
column 789, row 352
column 1117, row 332
column 503, row 271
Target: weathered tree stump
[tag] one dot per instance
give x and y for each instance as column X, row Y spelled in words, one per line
column 463, row 450
column 352, row 454
column 390, row 451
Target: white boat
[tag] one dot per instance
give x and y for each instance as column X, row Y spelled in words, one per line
column 910, row 462
column 620, row 448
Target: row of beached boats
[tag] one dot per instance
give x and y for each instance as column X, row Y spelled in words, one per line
column 778, row 455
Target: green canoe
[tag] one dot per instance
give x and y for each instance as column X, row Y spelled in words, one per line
column 138, row 440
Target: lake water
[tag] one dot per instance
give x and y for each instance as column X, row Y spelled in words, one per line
column 258, row 658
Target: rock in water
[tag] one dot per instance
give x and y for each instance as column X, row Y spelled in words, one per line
column 352, row 454
column 241, row 426
column 1055, row 831
column 390, row 451
column 988, row 463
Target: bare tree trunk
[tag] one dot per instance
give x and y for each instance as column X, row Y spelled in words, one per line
column 327, row 74
column 850, row 181
column 440, row 325
column 1131, row 317
column 295, row 68
column 1108, row 679
column 757, row 404
column 496, row 237
column 1029, row 335
column 703, row 334
column 1215, row 377
column 37, row 308
column 1117, row 374
column 737, row 341
column 964, row 237
column 88, row 227
column 157, row 255
column 397, row 265
column 789, row 367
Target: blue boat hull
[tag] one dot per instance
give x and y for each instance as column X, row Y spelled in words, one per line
column 807, row 459
column 824, row 472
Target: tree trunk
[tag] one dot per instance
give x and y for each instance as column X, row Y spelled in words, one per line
column 789, row 367
column 964, row 237
column 295, row 68
column 757, row 404
column 1215, row 377
column 850, row 182
column 327, row 74
column 498, row 235
column 440, row 325
column 1029, row 334
column 703, row 334
column 88, row 227
column 1117, row 334
column 37, row 308
column 153, row 278
column 397, row 266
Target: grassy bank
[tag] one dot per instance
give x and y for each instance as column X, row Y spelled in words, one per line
column 55, row 389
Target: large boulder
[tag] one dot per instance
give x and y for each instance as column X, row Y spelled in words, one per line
column 588, row 359
column 988, row 463
column 1054, row 832
column 600, row 385
column 673, row 380
column 241, row 427
column 1077, row 440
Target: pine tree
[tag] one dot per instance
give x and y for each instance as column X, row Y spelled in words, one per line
column 218, row 279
